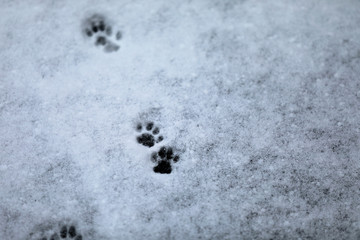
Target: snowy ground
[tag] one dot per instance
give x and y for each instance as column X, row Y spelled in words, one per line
column 260, row 100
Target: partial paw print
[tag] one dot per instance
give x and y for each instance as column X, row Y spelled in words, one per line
column 65, row 232
column 164, row 158
column 149, row 134
column 102, row 33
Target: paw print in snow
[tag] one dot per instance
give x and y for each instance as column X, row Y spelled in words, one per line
column 149, row 134
column 164, row 159
column 99, row 30
column 69, row 233
column 64, row 233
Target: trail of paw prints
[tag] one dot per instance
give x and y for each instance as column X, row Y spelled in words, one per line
column 98, row 29
column 164, row 159
column 65, row 232
column 150, row 134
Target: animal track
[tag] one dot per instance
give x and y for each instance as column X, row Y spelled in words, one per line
column 99, row 30
column 149, row 134
column 164, row 159
column 65, row 232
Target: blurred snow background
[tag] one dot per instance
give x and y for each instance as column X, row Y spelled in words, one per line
column 261, row 98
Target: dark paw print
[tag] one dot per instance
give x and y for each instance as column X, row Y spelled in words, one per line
column 164, row 159
column 65, row 232
column 98, row 28
column 150, row 134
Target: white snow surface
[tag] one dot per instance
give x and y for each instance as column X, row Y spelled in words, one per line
column 261, row 100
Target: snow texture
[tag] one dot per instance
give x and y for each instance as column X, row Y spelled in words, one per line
column 260, row 101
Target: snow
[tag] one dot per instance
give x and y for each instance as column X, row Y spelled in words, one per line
column 261, row 100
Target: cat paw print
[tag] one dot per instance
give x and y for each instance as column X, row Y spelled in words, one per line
column 64, row 232
column 69, row 233
column 99, row 30
column 149, row 134
column 164, row 159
